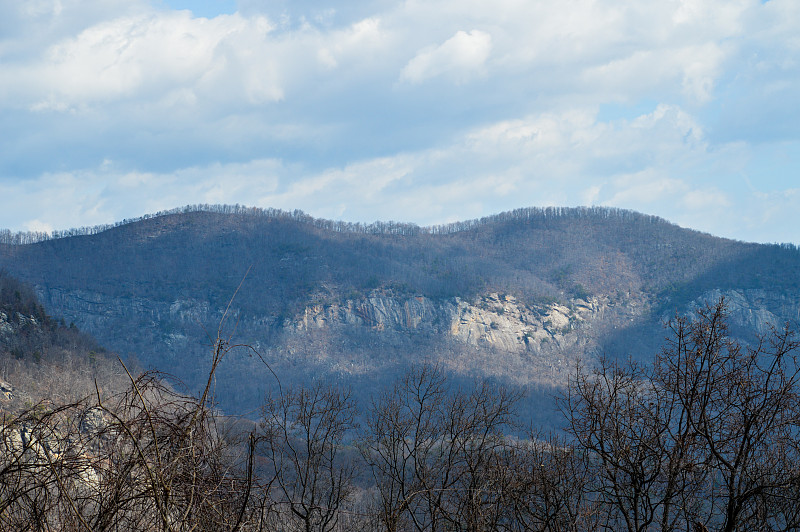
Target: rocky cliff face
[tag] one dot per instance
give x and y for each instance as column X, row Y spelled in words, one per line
column 493, row 334
column 14, row 324
column 380, row 334
column 754, row 311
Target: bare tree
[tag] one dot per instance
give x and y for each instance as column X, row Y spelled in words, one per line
column 706, row 437
column 742, row 406
column 304, row 434
column 438, row 456
column 548, row 480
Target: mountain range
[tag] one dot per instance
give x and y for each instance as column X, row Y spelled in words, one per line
column 521, row 297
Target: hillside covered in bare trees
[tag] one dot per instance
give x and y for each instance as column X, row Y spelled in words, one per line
column 704, row 436
column 519, row 297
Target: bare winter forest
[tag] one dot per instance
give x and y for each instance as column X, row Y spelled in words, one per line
column 704, row 438
column 379, row 377
column 518, row 297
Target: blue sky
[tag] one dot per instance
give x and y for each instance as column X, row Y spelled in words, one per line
column 418, row 111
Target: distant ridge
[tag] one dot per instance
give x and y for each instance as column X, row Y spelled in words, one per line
column 379, row 227
column 520, row 295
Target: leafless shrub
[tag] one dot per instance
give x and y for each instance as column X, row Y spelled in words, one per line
column 144, row 459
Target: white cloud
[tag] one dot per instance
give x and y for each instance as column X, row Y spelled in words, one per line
column 107, row 194
column 147, row 56
column 602, row 50
column 37, row 226
column 360, row 39
column 613, row 50
column 645, row 187
column 652, row 106
column 658, row 163
column 460, row 57
column 710, row 199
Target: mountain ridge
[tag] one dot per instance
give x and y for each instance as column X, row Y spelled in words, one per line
column 356, row 302
column 376, row 227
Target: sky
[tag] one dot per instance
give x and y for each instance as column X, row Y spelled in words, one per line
column 421, row 111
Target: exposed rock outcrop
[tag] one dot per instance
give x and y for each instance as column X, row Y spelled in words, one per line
column 494, row 334
column 380, row 333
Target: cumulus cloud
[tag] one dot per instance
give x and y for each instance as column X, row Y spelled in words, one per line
column 150, row 56
column 109, row 193
column 37, row 226
column 610, row 49
column 460, row 57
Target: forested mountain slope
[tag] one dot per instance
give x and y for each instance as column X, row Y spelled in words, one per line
column 44, row 359
column 520, row 296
